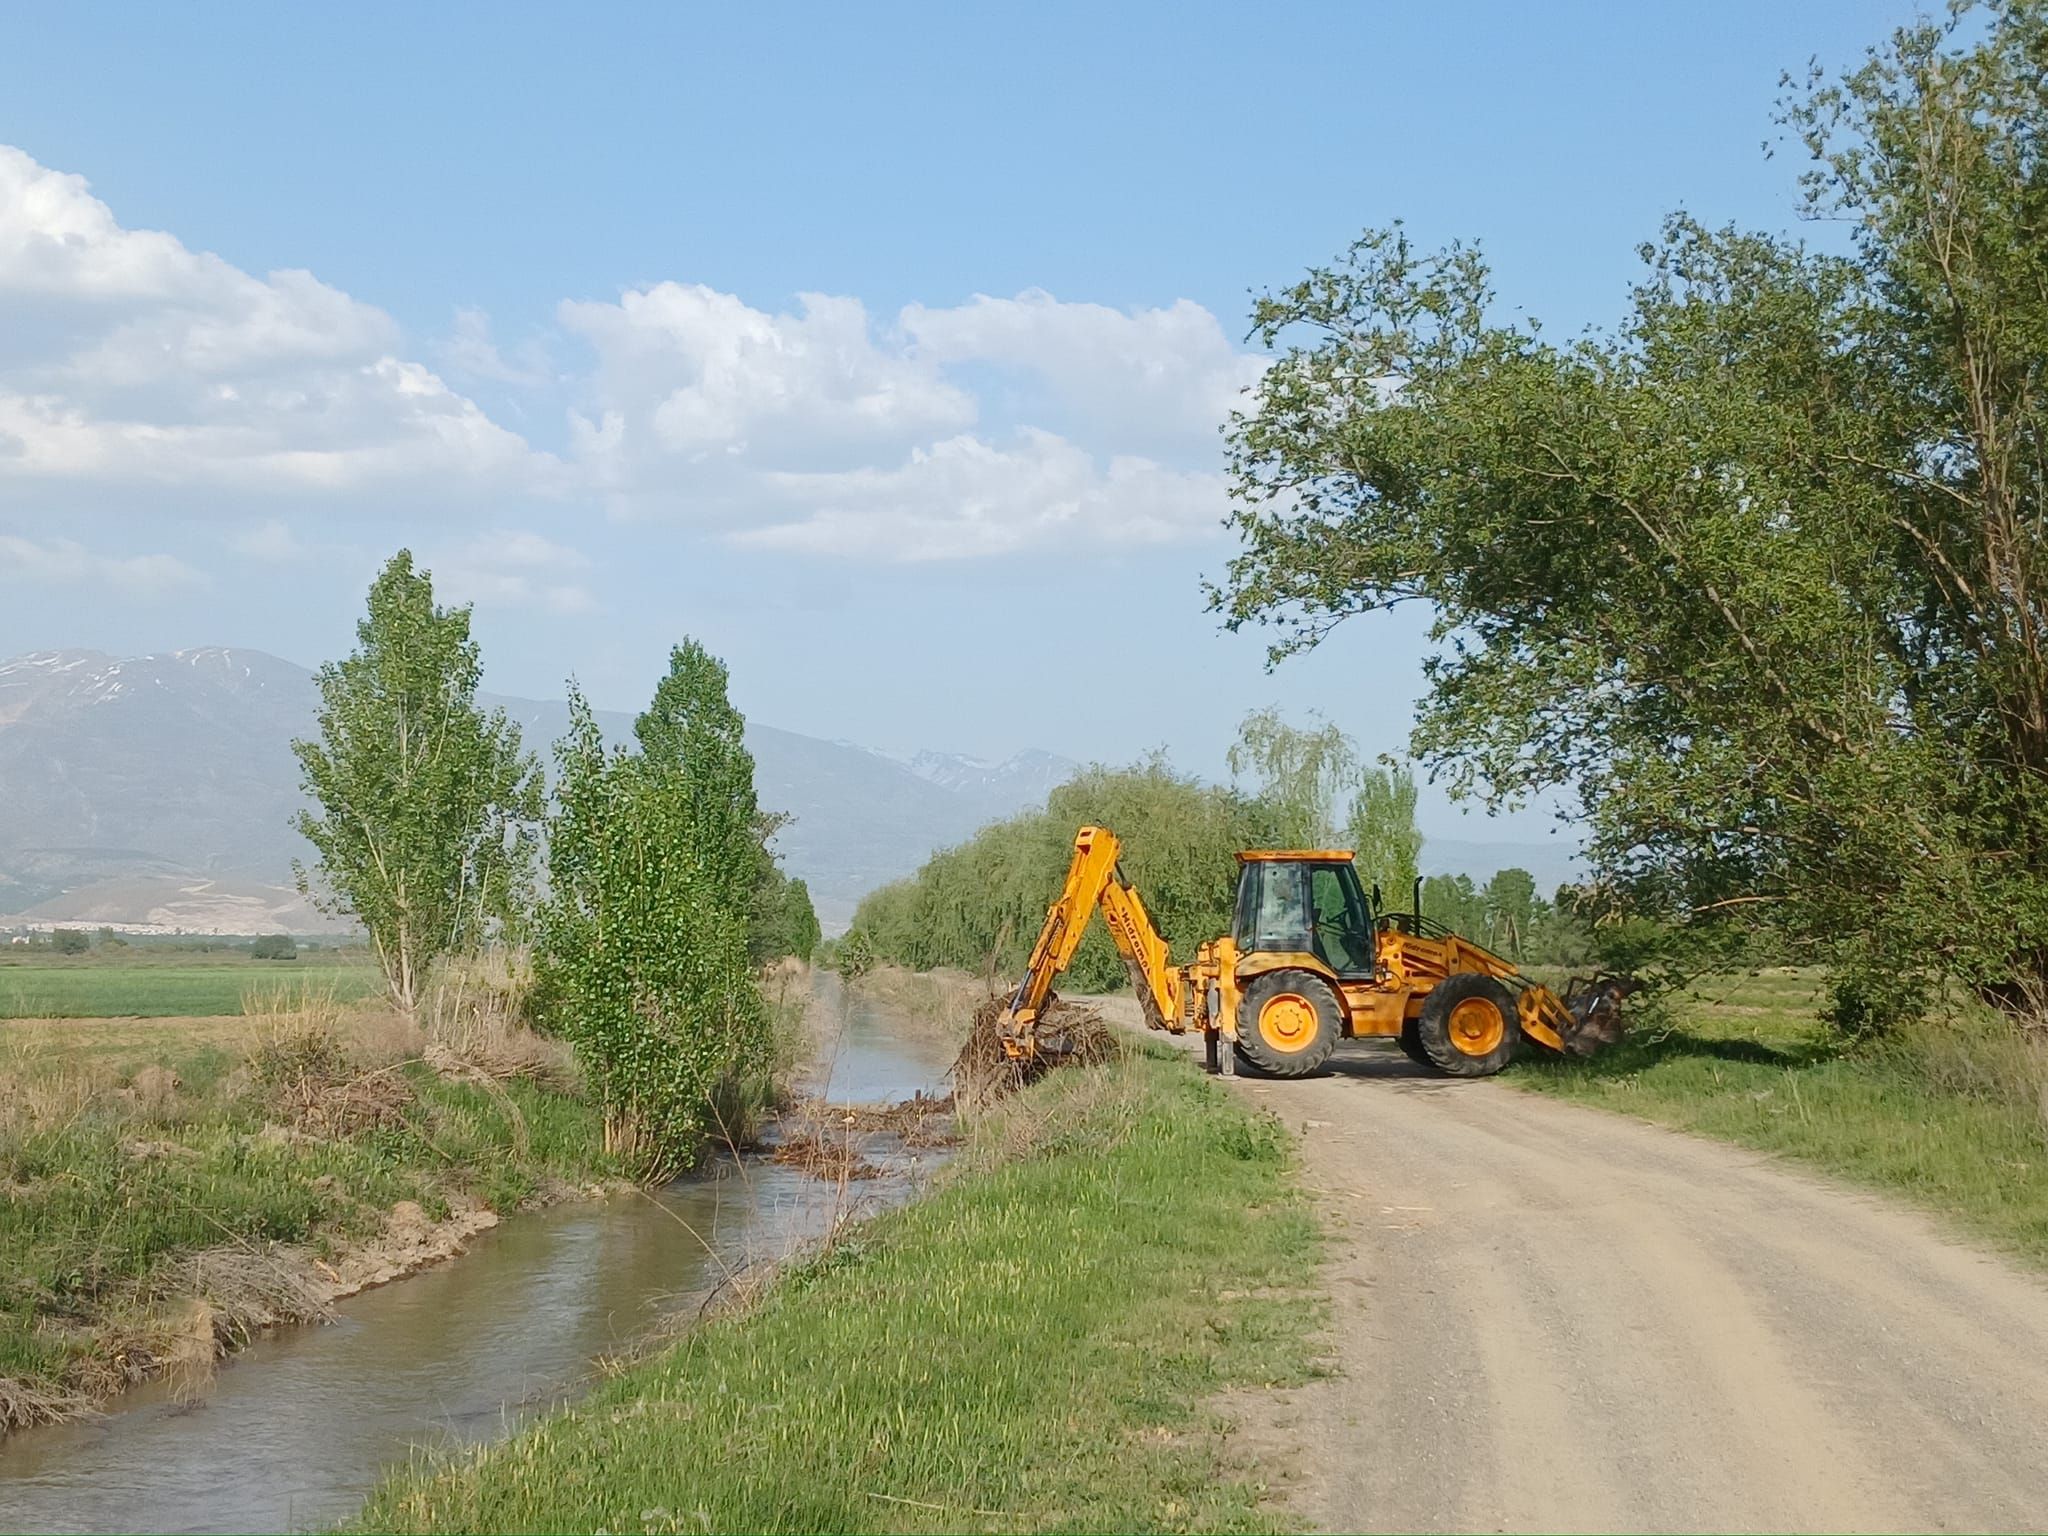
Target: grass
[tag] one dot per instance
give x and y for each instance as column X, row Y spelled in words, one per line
column 180, row 986
column 1029, row 1347
column 134, row 1156
column 1950, row 1114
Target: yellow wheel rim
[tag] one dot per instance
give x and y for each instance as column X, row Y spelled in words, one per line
column 1288, row 1022
column 1477, row 1027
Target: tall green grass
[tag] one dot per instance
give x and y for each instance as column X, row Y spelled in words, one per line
column 1948, row 1113
column 1029, row 1347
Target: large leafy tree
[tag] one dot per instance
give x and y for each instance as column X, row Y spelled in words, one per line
column 423, row 803
column 1759, row 574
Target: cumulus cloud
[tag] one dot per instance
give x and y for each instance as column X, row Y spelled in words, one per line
column 1165, row 377
column 820, row 432
column 686, row 374
column 67, row 563
column 964, row 498
column 470, row 350
column 272, row 541
column 131, row 363
column 131, row 358
column 514, row 569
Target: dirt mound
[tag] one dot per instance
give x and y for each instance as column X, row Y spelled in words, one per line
column 1069, row 1035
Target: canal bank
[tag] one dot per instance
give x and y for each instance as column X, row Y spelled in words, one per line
column 294, row 1431
column 1037, row 1342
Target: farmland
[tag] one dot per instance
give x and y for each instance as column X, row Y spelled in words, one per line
column 161, row 984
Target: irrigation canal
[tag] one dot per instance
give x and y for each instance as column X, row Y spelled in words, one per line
column 293, row 1432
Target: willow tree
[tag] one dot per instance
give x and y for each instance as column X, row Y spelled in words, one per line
column 1300, row 770
column 1759, row 574
column 423, row 803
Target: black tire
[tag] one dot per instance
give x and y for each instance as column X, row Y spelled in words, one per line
column 1411, row 1045
column 1276, row 1054
column 1456, row 1033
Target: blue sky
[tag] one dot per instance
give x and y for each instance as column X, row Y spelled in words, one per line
column 525, row 289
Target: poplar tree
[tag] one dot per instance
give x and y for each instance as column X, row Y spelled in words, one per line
column 423, row 803
column 1383, row 834
column 642, row 946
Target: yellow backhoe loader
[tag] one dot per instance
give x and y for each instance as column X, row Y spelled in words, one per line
column 1309, row 961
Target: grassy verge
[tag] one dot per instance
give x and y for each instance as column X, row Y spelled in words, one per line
column 1950, row 1114
column 1028, row 1347
column 165, row 1189
column 145, row 986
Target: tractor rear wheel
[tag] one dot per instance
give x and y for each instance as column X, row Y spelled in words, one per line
column 1288, row 1023
column 1468, row 1026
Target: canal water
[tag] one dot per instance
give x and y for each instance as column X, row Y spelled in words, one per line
column 295, row 1430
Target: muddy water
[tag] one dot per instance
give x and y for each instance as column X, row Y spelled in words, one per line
column 294, row 1431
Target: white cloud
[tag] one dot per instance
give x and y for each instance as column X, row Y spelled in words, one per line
column 65, row 562
column 513, row 569
column 129, row 358
column 132, row 365
column 816, row 432
column 1163, row 376
column 964, row 498
column 686, row 374
column 271, row 541
column 469, row 350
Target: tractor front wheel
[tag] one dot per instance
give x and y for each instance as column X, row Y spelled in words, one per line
column 1288, row 1022
column 1468, row 1026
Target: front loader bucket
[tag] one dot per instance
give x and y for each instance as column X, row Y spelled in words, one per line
column 1595, row 1008
column 1582, row 1021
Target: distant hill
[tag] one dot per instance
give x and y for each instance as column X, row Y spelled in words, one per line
column 159, row 790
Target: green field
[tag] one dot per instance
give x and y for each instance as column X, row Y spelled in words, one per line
column 172, row 985
column 1950, row 1113
column 1033, row 1346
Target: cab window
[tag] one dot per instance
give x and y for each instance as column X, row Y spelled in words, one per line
column 1343, row 920
column 1282, row 920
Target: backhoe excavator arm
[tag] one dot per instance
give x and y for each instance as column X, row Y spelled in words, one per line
column 1094, row 880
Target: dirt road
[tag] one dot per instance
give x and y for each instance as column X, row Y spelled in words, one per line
column 1549, row 1318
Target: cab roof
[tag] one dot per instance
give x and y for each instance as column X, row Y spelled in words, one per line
column 1300, row 855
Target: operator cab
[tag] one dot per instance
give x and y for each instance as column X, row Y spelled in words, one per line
column 1305, row 902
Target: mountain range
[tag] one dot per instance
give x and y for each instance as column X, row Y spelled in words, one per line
column 159, row 791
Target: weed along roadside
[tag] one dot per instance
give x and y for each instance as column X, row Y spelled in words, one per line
column 1029, row 1345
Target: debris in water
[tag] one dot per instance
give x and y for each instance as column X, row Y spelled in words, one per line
column 822, row 1155
column 829, row 1140
column 1069, row 1035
